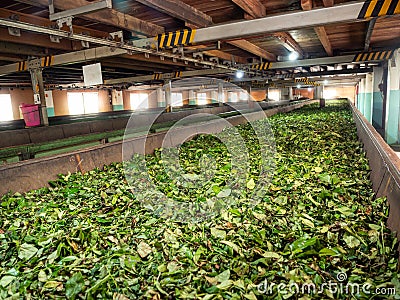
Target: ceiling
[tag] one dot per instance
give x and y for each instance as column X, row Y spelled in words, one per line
column 146, row 18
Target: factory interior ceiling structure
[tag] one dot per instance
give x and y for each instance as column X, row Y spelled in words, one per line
column 149, row 41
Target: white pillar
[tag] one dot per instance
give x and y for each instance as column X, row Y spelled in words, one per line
column 160, row 98
column 49, row 103
column 368, row 97
column 117, row 100
column 192, row 98
column 377, row 98
column 392, row 135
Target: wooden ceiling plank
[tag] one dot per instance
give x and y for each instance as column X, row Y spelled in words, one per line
column 180, row 10
column 110, row 17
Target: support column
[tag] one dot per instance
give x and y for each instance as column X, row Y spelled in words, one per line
column 160, row 98
column 220, row 93
column 39, row 95
column 168, row 96
column 392, row 135
column 361, row 96
column 378, row 97
column 214, row 97
column 49, row 103
column 117, row 100
column 285, row 93
column 368, row 97
column 192, row 98
column 319, row 92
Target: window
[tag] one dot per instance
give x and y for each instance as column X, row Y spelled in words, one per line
column 330, row 93
column 274, row 95
column 202, row 99
column 83, row 103
column 6, row 112
column 177, row 99
column 243, row 96
column 232, row 97
column 139, row 101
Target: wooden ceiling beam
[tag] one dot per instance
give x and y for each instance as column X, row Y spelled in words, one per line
column 195, row 18
column 109, row 16
column 180, row 10
column 254, row 8
column 254, row 49
column 6, row 13
column 220, row 54
column 320, row 30
column 288, row 40
column 328, row 3
column 323, row 38
column 307, row 4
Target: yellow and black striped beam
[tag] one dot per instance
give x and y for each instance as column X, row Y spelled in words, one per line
column 177, row 74
column 22, row 66
column 261, row 67
column 47, row 61
column 157, row 76
column 376, row 55
column 178, row 38
column 306, row 81
column 378, row 8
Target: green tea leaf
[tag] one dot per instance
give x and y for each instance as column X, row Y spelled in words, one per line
column 74, row 285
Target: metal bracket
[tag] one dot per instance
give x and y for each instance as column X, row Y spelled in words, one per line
column 198, row 56
column 68, row 22
column 34, row 64
column 14, row 31
column 85, row 44
column 90, row 8
column 117, row 36
column 55, row 39
column 179, row 50
column 214, row 60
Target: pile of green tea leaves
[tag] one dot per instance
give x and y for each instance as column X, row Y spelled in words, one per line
column 87, row 236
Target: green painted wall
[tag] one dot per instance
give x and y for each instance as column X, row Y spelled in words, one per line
column 50, row 112
column 392, row 125
column 118, row 107
column 161, row 104
column 192, row 101
column 368, row 107
column 360, row 102
column 377, row 109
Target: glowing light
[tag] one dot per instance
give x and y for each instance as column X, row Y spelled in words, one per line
column 293, row 56
column 298, row 86
column 325, row 81
column 239, row 74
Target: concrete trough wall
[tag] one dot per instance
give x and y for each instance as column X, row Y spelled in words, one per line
column 37, row 135
column 36, row 173
column 385, row 167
